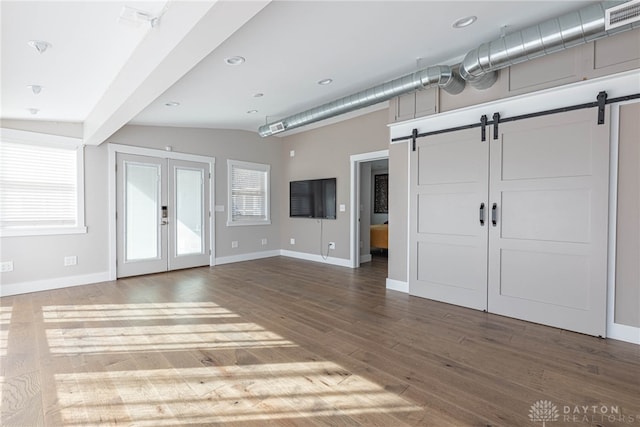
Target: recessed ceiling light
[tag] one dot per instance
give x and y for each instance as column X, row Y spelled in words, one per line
column 258, row 95
column 172, row 104
column 252, row 111
column 325, row 82
column 36, row 89
column 40, row 45
column 464, row 22
column 33, row 110
column 234, row 60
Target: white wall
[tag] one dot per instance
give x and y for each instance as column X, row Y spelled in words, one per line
column 38, row 260
column 325, row 153
column 223, row 145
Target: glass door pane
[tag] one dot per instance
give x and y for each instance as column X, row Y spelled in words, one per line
column 189, row 217
column 189, row 211
column 142, row 207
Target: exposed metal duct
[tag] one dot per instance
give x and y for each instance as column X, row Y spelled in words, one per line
column 440, row 75
column 579, row 27
column 480, row 65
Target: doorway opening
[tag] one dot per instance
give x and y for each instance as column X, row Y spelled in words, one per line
column 369, row 205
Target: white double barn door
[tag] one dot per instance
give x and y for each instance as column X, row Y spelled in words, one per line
column 515, row 225
column 162, row 214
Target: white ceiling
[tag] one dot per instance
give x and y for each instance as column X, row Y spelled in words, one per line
column 288, row 46
column 88, row 50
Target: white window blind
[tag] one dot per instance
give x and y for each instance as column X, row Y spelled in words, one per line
column 249, row 193
column 39, row 187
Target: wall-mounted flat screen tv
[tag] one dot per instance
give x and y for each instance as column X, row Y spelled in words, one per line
column 313, row 198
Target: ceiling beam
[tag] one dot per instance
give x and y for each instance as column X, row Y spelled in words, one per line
column 188, row 31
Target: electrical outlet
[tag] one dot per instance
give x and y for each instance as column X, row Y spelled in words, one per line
column 234, row 244
column 332, row 245
column 6, row 266
column 292, row 241
column 264, row 242
column 70, row 260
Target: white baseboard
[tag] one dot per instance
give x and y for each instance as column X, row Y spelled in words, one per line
column 56, row 283
column 247, row 257
column 365, row 258
column 624, row 333
column 397, row 285
column 317, row 258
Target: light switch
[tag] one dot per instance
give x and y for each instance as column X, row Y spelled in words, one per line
column 343, row 208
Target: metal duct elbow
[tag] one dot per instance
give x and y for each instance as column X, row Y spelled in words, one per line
column 445, row 78
column 440, row 75
column 480, row 65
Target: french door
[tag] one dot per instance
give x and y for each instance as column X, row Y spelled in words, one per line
column 517, row 224
column 162, row 214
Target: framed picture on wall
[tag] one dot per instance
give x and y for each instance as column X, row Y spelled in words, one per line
column 381, row 194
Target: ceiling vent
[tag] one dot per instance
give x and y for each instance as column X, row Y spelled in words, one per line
column 623, row 14
column 137, row 18
column 276, row 127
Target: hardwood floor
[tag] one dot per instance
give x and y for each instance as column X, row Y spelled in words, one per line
column 283, row 342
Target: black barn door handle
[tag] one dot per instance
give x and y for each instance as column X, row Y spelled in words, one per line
column 494, row 214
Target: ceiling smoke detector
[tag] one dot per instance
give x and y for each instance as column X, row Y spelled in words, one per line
column 33, row 111
column 172, row 104
column 40, row 45
column 325, row 82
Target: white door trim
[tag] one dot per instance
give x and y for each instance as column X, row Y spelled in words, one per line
column 128, row 149
column 615, row 330
column 356, row 159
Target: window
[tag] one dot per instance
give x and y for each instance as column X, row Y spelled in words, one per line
column 41, row 184
column 248, row 189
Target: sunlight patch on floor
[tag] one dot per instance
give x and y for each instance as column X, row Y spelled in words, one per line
column 5, row 321
column 222, row 394
column 147, row 311
column 162, row 338
column 126, row 392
